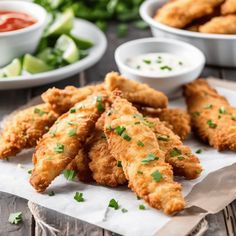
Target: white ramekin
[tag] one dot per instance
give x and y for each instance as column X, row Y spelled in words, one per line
column 18, row 42
column 171, row 82
column 219, row 49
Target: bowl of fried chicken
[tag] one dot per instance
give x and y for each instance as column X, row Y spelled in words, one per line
column 209, row 25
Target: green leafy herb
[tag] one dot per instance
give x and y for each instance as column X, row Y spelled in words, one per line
column 30, row 171
column 199, row 151
column 15, row 218
column 175, row 152
column 122, row 30
column 51, row 193
column 211, row 124
column 181, row 158
column 72, row 132
column 69, row 174
column 72, row 110
column 39, row 111
column 124, row 210
column 114, row 204
column 79, row 197
column 119, row 130
column 99, row 104
column 119, row 164
column 141, row 207
column 208, row 106
column 166, row 68
column 163, row 137
column 150, row 157
column 222, row 110
column 140, row 143
column 59, row 148
column 126, row 136
column 157, row 176
column 147, row 61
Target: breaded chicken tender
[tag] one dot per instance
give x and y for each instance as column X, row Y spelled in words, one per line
column 105, row 168
column 212, row 117
column 135, row 92
column 180, row 13
column 134, row 144
column 220, row 25
column 24, row 128
column 62, row 143
column 228, row 7
column 176, row 119
column 61, row 100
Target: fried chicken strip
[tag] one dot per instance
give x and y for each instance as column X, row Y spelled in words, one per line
column 24, row 128
column 212, row 117
column 61, row 100
column 180, row 13
column 149, row 176
column 220, row 25
column 176, row 119
column 62, row 143
column 228, row 7
column 135, row 92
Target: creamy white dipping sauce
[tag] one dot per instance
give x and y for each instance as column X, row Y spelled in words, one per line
column 160, row 63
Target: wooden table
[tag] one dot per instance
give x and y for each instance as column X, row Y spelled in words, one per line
column 221, row 224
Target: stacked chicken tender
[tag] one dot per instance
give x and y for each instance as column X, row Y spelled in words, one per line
column 113, row 133
column 205, row 16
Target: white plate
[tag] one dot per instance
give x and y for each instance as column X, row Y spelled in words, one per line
column 81, row 28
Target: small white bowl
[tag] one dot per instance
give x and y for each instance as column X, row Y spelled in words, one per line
column 18, row 42
column 168, row 83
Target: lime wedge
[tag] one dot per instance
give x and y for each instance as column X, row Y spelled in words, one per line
column 34, row 65
column 43, row 55
column 81, row 42
column 62, row 25
column 69, row 49
column 11, row 70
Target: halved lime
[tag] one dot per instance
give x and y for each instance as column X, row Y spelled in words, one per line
column 69, row 49
column 44, row 54
column 62, row 25
column 81, row 42
column 11, row 70
column 34, row 65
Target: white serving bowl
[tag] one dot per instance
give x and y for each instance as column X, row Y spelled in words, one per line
column 18, row 42
column 168, row 83
column 219, row 49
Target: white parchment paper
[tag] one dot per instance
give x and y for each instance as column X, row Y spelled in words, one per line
column 14, row 180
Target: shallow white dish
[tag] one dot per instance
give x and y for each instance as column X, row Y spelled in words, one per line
column 169, row 83
column 219, row 49
column 81, row 28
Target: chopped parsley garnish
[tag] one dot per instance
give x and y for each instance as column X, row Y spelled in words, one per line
column 208, row 106
column 199, row 151
column 150, row 157
column 72, row 132
column 126, row 137
column 15, row 218
column 181, row 158
column 175, row 152
column 72, row 110
column 113, row 204
column 211, row 124
column 30, row 171
column 69, row 174
column 222, row 110
column 39, row 111
column 196, row 114
column 59, row 148
column 157, row 176
column 124, row 210
column 140, row 143
column 51, row 193
column 119, row 164
column 140, row 172
column 79, row 197
column 141, row 207
column 233, row 117
column 147, row 61
column 166, row 68
column 72, row 123
column 163, row 137
column 119, row 130
column 148, row 123
column 99, row 104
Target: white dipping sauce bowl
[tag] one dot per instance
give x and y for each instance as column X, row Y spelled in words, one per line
column 219, row 49
column 18, row 42
column 168, row 83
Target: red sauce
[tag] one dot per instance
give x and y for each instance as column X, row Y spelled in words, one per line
column 10, row 20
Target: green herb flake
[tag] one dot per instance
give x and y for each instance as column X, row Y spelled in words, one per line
column 211, row 124
column 119, row 164
column 140, row 172
column 222, row 110
column 163, row 137
column 51, row 193
column 72, row 110
column 39, row 111
column 150, row 157
column 199, row 151
column 124, row 210
column 113, row 204
column 99, row 104
column 69, row 174
column 79, row 197
column 157, row 176
column 126, row 137
column 175, row 152
column 137, row 123
column 208, row 106
column 141, row 207
column 59, row 148
column 119, row 130
column 140, row 143
column 15, row 218
column 72, row 123
column 146, row 61
column 72, row 132
column 30, row 171
column 181, row 158
column 166, row 68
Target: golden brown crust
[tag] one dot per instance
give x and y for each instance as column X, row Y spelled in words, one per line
column 212, row 117
column 180, row 13
column 228, row 7
column 25, row 128
column 162, row 193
